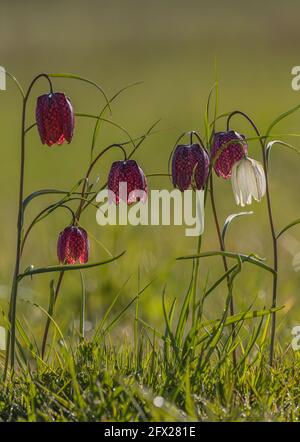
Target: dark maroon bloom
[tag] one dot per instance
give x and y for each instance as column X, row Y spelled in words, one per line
column 54, row 118
column 224, row 157
column 130, row 173
column 190, row 166
column 73, row 246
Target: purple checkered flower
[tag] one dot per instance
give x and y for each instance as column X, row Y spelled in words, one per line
column 190, row 166
column 227, row 148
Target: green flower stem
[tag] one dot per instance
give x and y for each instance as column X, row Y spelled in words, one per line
column 11, row 335
column 272, row 228
column 199, row 245
column 225, row 264
column 50, row 311
column 82, row 207
column 195, row 134
column 76, row 220
column 90, row 168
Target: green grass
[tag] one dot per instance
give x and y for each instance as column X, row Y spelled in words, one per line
column 109, row 381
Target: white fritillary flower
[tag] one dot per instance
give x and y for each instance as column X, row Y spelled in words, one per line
column 248, row 181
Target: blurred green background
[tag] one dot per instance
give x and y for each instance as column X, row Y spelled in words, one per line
column 172, row 46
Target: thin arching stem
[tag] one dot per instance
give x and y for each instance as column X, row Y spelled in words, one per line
column 45, row 336
column 199, row 245
column 195, row 134
column 272, row 228
column 82, row 200
column 222, row 247
column 190, row 133
column 141, row 139
column 91, row 166
column 13, row 78
column 42, row 212
column 81, row 207
column 11, row 335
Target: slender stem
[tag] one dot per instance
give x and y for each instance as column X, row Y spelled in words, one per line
column 29, row 128
column 195, row 273
column 82, row 308
column 59, row 282
column 136, row 324
column 192, row 134
column 13, row 78
column 76, row 220
column 128, row 157
column 272, row 228
column 37, row 218
column 90, row 168
column 195, row 281
column 11, row 336
column 82, row 208
column 222, row 247
column 13, row 302
column 199, row 244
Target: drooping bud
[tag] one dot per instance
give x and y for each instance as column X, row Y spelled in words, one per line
column 54, row 118
column 190, row 166
column 133, row 179
column 227, row 148
column 248, row 181
column 73, row 246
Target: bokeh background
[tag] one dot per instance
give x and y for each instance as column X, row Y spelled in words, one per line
column 173, row 47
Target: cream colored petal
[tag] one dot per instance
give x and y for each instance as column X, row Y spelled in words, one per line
column 244, row 183
column 234, row 183
column 247, row 182
column 239, row 183
column 261, row 180
column 252, row 180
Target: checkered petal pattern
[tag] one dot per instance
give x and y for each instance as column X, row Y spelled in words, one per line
column 227, row 148
column 190, row 166
column 54, row 118
column 73, row 246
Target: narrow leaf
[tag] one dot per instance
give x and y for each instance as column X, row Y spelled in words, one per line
column 292, row 224
column 85, row 80
column 60, row 268
column 280, row 143
column 228, row 221
column 280, row 118
column 252, row 259
column 241, row 316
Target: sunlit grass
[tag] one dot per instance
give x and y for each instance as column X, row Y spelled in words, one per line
column 119, row 376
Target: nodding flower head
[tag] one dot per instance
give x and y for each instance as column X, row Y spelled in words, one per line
column 190, row 166
column 127, row 181
column 248, row 181
column 227, row 148
column 73, row 246
column 54, row 118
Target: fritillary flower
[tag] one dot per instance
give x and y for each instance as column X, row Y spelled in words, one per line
column 73, row 246
column 248, row 181
column 190, row 166
column 127, row 182
column 227, row 148
column 54, row 118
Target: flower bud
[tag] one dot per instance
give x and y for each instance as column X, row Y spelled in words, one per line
column 129, row 173
column 190, row 166
column 73, row 246
column 54, row 118
column 227, row 148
